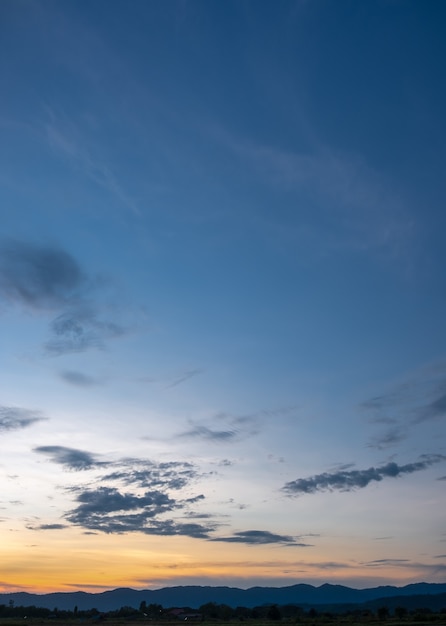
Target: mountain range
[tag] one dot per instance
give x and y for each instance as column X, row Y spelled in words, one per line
column 194, row 596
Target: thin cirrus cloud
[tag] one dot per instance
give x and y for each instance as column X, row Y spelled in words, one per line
column 389, row 438
column 435, row 409
column 186, row 376
column 16, row 418
column 48, row 278
column 356, row 479
column 68, row 141
column 418, row 400
column 421, row 397
column 350, row 185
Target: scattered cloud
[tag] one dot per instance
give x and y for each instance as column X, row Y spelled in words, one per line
column 135, row 497
column 40, row 277
column 223, row 428
column 203, row 432
column 70, row 457
column 47, row 278
column 78, row 331
column 194, row 515
column 138, row 496
column 356, row 479
column 78, row 379
column 109, row 510
column 260, row 537
column 144, row 473
column 16, row 418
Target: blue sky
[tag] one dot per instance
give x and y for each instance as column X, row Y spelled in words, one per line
column 222, row 292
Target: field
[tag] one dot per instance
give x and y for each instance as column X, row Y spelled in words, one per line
column 434, row 619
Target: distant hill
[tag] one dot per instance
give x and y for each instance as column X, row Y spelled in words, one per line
column 194, row 596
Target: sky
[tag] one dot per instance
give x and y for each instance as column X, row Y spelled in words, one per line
column 222, row 293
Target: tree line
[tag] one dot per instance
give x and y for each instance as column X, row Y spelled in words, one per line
column 211, row 611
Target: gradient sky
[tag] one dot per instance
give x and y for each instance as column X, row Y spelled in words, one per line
column 222, row 293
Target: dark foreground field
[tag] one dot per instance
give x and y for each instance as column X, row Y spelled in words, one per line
column 336, row 620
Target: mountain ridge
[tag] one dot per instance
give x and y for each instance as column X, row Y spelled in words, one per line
column 197, row 595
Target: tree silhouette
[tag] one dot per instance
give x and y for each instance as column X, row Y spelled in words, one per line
column 274, row 613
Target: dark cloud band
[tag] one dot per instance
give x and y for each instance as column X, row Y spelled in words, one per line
column 356, row 479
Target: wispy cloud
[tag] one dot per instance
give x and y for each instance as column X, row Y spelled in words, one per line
column 47, row 278
column 379, row 562
column 357, row 479
column 436, row 408
column 80, row 330
column 419, row 399
column 71, row 458
column 370, row 214
column 78, row 379
column 186, row 376
column 260, row 537
column 40, row 277
column 144, row 473
column 49, row 527
column 16, row 418
column 69, row 142
column 389, row 438
column 223, row 428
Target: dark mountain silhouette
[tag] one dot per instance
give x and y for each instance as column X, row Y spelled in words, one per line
column 194, row 596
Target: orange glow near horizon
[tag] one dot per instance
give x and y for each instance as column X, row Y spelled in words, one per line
column 97, row 563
